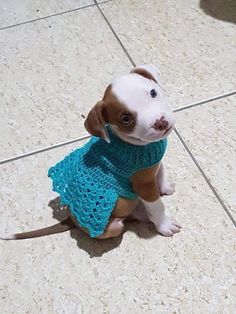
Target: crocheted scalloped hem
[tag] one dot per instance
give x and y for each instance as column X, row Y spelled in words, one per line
column 93, row 218
column 92, row 233
column 91, row 210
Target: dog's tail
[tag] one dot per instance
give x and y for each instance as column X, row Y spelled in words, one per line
column 63, row 226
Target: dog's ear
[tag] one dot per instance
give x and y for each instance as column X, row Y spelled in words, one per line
column 149, row 71
column 95, row 122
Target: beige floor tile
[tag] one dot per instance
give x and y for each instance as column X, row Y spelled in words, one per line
column 50, row 71
column 210, row 131
column 194, row 272
column 14, row 12
column 195, row 52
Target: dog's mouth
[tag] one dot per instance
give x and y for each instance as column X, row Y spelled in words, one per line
column 157, row 136
column 143, row 140
column 168, row 131
column 152, row 138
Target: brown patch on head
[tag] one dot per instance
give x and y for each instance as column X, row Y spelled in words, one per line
column 144, row 73
column 109, row 111
column 116, row 113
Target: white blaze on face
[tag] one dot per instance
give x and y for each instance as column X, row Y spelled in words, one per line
column 133, row 90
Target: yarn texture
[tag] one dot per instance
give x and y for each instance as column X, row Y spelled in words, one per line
column 92, row 178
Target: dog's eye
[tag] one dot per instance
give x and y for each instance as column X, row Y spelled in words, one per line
column 153, row 93
column 126, row 119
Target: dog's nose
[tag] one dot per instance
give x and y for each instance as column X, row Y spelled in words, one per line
column 161, row 124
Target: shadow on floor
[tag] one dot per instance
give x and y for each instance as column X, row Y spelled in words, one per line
column 224, row 10
column 94, row 247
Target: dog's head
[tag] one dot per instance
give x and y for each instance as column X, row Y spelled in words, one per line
column 134, row 106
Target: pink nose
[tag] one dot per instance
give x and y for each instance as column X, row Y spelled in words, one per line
column 161, row 124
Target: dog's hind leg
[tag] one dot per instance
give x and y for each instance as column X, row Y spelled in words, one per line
column 122, row 210
column 114, row 228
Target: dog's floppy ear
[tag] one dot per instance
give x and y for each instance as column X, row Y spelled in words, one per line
column 95, row 122
column 149, row 71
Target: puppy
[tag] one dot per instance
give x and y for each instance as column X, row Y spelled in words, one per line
column 103, row 181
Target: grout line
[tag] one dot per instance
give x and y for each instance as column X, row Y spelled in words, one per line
column 44, row 149
column 175, row 110
column 228, row 94
column 81, row 138
column 180, row 109
column 133, row 63
column 51, row 15
column 114, row 33
column 204, row 176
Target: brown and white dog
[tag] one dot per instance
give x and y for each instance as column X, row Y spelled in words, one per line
column 137, row 111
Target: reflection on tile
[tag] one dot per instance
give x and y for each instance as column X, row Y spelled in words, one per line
column 53, row 70
column 210, row 131
column 194, row 51
column 14, row 12
column 190, row 273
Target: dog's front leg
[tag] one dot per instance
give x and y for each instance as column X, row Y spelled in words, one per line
column 165, row 187
column 145, row 184
column 166, row 225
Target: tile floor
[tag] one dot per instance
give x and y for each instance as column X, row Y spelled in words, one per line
column 56, row 57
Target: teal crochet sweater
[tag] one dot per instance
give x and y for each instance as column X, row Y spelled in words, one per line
column 92, row 178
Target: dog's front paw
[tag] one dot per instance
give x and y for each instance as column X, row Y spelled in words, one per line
column 167, row 188
column 168, row 226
